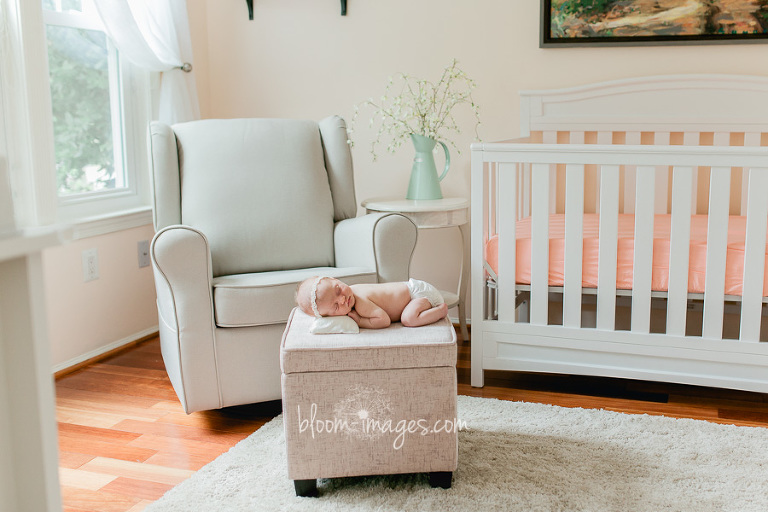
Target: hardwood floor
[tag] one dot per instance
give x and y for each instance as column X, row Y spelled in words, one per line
column 124, row 439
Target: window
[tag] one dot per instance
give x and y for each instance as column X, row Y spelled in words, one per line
column 99, row 113
column 84, row 83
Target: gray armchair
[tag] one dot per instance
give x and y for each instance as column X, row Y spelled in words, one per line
column 245, row 209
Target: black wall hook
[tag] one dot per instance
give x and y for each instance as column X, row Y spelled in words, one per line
column 250, row 8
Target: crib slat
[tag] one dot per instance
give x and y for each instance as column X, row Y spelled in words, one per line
column 717, row 238
column 525, row 191
column 643, row 253
column 603, row 138
column 754, row 256
column 507, row 224
column 606, row 263
column 479, row 224
column 679, row 251
column 574, row 234
column 550, row 137
column 751, row 139
column 520, row 174
column 692, row 139
column 539, row 243
column 661, row 139
column 722, row 139
column 632, row 139
column 493, row 200
column 661, row 192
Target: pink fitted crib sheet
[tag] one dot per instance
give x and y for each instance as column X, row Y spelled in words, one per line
column 626, row 243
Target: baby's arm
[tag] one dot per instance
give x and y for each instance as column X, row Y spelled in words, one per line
column 368, row 315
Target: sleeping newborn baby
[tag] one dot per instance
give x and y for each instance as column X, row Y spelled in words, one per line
column 372, row 306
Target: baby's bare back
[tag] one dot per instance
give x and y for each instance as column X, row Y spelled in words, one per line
column 391, row 297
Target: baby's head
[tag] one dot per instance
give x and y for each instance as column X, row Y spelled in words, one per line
column 324, row 296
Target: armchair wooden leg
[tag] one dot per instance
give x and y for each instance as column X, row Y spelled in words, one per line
column 306, row 488
column 441, row 479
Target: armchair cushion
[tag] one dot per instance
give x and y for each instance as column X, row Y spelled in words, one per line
column 267, row 298
column 258, row 189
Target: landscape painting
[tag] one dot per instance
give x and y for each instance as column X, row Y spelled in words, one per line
column 633, row 22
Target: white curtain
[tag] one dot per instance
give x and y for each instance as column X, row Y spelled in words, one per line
column 154, row 35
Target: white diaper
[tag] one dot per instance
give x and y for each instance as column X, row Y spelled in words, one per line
column 421, row 289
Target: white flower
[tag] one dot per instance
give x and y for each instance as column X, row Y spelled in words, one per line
column 420, row 107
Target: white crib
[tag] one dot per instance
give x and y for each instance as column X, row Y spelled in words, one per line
column 669, row 145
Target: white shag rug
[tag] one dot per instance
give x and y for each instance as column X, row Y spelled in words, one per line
column 519, row 457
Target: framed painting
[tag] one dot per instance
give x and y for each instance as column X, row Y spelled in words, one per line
column 643, row 22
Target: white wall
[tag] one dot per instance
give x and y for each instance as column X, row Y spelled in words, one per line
column 301, row 59
column 87, row 318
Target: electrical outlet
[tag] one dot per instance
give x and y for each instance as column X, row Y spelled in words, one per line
column 143, row 253
column 90, row 265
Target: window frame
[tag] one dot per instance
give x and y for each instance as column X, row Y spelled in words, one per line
column 130, row 107
column 32, row 169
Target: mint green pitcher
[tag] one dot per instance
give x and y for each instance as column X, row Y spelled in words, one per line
column 424, row 181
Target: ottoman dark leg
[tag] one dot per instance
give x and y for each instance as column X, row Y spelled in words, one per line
column 441, row 479
column 306, row 488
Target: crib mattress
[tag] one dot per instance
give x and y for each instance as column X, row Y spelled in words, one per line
column 626, row 243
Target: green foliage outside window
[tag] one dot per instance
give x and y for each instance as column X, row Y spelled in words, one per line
column 82, row 123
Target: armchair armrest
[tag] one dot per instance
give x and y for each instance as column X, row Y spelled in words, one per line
column 181, row 261
column 384, row 241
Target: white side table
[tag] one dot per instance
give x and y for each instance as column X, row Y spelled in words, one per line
column 434, row 214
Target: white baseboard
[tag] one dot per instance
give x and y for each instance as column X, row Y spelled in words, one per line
column 104, row 349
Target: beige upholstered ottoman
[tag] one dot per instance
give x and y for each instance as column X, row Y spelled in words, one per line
column 375, row 403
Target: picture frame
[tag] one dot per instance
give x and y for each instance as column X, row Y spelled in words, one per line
column 573, row 23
